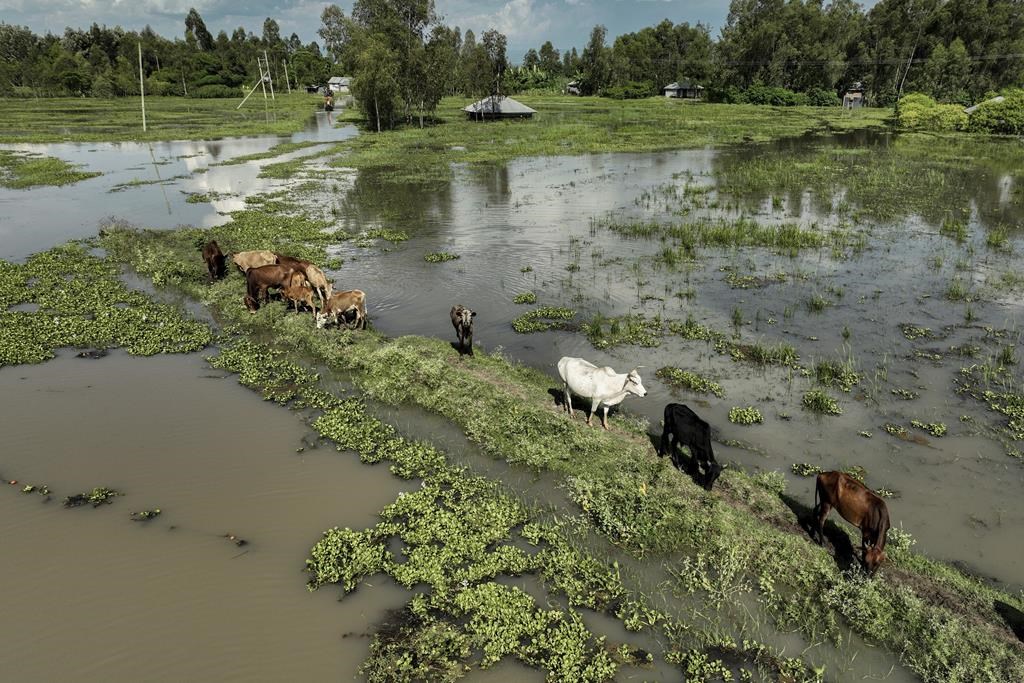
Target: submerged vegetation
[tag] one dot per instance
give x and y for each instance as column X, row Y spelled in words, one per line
column 20, row 170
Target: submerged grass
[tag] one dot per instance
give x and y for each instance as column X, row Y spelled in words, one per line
column 578, row 125
column 20, row 170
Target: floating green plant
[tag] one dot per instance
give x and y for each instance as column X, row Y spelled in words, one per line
column 745, row 416
column 440, row 257
column 678, row 377
column 525, row 298
column 817, row 401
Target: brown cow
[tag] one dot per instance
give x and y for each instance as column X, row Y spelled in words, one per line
column 259, row 280
column 214, row 258
column 340, row 303
column 253, row 259
column 462, row 321
column 859, row 506
column 316, row 278
column 297, row 291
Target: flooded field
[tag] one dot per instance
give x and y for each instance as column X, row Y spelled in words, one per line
column 147, row 183
column 896, row 271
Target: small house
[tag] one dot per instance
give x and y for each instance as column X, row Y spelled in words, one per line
column 339, row 84
column 572, row 88
column 854, row 97
column 684, row 90
column 498, row 107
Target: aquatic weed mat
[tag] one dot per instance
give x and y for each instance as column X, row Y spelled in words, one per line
column 21, row 170
column 69, row 298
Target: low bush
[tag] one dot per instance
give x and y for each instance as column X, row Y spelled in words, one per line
column 920, row 112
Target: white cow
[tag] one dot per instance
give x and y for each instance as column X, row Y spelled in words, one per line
column 603, row 386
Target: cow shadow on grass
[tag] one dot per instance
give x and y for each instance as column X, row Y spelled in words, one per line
column 837, row 538
column 1013, row 617
column 463, row 351
column 580, row 405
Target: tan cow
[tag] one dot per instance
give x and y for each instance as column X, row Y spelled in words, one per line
column 299, row 292
column 340, row 303
column 253, row 259
column 316, row 278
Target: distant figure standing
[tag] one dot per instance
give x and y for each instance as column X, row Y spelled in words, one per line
column 329, row 102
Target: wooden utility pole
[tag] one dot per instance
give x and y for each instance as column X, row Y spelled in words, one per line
column 287, row 81
column 142, row 89
column 266, row 60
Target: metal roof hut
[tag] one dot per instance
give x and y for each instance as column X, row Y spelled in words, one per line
column 498, row 107
column 684, row 90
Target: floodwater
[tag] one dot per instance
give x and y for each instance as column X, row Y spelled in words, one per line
column 146, row 183
column 956, row 494
column 95, row 596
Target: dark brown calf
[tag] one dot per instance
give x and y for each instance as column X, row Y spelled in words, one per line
column 859, row 506
column 462, row 321
column 214, row 258
column 259, row 280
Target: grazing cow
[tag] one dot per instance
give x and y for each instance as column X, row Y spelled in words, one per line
column 253, row 259
column 316, row 278
column 297, row 291
column 341, row 303
column 462, row 321
column 684, row 427
column 603, row 386
column 214, row 258
column 259, row 280
column 859, row 506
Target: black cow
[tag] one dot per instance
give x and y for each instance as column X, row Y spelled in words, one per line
column 684, row 427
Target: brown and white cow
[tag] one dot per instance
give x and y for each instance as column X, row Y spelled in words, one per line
column 340, row 303
column 462, row 321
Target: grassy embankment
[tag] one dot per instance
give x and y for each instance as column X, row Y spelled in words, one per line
column 741, row 542
column 72, row 119
column 579, row 125
column 21, row 170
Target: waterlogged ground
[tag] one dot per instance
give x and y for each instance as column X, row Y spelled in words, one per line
column 890, row 263
column 882, row 275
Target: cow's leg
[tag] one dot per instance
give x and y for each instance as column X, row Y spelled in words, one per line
column 567, row 399
column 590, row 415
column 821, row 512
column 469, row 342
column 666, row 442
column 604, row 417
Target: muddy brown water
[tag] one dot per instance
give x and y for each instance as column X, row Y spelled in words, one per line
column 95, row 596
column 956, row 494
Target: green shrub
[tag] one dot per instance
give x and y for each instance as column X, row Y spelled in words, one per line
column 632, row 90
column 1006, row 117
column 920, row 112
column 820, row 97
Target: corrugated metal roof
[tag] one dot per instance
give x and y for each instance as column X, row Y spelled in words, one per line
column 495, row 105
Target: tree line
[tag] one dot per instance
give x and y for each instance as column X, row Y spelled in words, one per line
column 403, row 59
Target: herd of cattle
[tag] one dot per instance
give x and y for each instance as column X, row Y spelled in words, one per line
column 298, row 280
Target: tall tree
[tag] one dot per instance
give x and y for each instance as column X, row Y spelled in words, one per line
column 595, row 64
column 334, row 31
column 196, row 32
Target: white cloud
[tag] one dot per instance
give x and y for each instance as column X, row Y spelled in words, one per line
column 516, row 19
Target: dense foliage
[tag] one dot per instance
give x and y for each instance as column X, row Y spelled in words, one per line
column 403, row 59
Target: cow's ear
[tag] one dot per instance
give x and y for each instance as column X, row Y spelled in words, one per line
column 472, row 314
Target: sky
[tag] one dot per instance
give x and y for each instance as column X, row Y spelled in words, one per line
column 526, row 23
